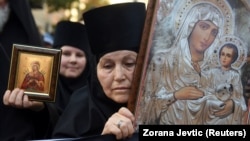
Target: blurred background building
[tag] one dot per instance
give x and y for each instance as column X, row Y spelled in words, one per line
column 48, row 13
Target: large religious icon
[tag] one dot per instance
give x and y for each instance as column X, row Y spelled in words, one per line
column 193, row 65
column 35, row 69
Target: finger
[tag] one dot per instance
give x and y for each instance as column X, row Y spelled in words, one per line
column 117, row 132
column 126, row 126
column 197, row 93
column 127, row 129
column 12, row 97
column 217, row 113
column 19, row 99
column 123, row 128
column 26, row 102
column 220, row 113
column 113, row 129
column 119, row 124
column 6, row 97
column 131, row 129
column 127, row 113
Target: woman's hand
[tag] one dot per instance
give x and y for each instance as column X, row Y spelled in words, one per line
column 120, row 124
column 227, row 110
column 18, row 99
column 189, row 93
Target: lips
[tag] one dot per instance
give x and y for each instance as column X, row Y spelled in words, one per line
column 75, row 68
column 204, row 45
column 72, row 68
column 121, row 89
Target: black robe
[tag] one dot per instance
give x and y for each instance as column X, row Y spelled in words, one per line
column 87, row 112
column 18, row 124
column 65, row 89
column 20, row 29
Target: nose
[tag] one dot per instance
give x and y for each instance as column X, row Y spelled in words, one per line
column 207, row 36
column 119, row 73
column 223, row 57
column 72, row 58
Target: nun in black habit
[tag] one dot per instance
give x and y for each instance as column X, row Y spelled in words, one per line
column 113, row 29
column 75, row 67
column 73, row 74
column 20, row 28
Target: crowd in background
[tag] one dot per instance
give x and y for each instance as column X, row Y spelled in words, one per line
column 90, row 62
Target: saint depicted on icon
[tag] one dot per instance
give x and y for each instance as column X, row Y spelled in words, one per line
column 34, row 80
column 193, row 75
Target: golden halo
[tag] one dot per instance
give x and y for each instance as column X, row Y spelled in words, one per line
column 242, row 50
column 222, row 5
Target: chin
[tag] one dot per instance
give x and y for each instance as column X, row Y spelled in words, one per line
column 123, row 99
column 71, row 75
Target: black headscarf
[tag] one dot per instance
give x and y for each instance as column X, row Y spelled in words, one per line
column 108, row 30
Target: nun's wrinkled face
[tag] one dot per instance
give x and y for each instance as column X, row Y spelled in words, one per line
column 73, row 62
column 115, row 73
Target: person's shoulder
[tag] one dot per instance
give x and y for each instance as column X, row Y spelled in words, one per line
column 83, row 88
column 83, row 91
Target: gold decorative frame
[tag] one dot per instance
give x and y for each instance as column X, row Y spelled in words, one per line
column 247, row 3
column 48, row 64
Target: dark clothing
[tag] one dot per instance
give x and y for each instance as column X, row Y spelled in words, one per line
column 67, row 103
column 65, row 88
column 69, row 124
column 71, row 34
column 64, row 92
column 20, row 29
column 89, row 108
column 86, row 114
column 18, row 124
column 135, row 137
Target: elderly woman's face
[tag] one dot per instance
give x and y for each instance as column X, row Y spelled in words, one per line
column 202, row 36
column 115, row 73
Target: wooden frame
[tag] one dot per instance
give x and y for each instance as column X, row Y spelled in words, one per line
column 247, row 4
column 40, row 84
column 156, row 11
column 142, row 58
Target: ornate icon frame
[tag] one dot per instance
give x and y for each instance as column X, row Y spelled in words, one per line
column 146, row 48
column 49, row 64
